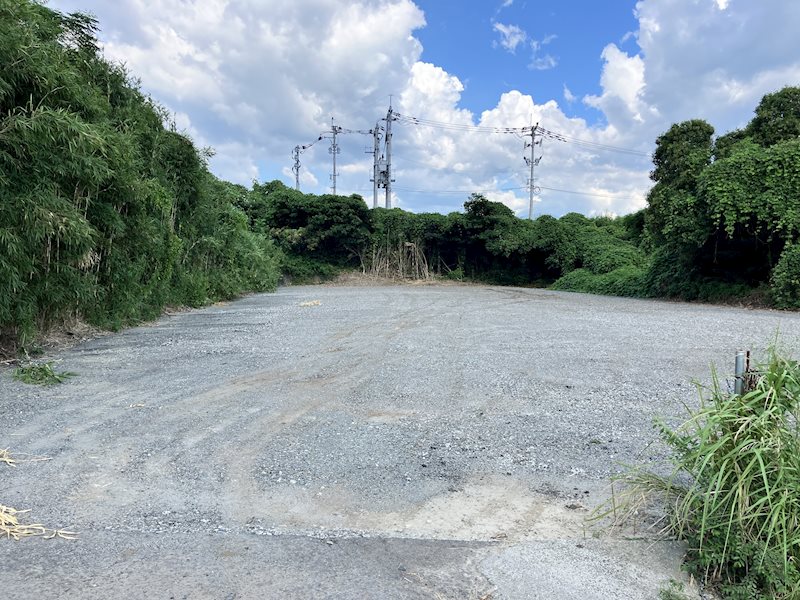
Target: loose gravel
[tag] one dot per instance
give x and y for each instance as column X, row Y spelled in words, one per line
column 350, row 442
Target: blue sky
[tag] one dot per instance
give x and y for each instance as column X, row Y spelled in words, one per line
column 462, row 35
column 254, row 78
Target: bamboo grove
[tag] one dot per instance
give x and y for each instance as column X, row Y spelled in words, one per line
column 104, row 212
column 109, row 214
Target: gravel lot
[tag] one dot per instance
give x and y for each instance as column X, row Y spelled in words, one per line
column 388, row 442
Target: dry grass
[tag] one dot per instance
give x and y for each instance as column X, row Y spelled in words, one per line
column 5, row 457
column 10, row 527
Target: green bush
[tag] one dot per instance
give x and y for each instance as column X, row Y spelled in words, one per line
column 734, row 494
column 625, row 281
column 301, row 270
column 105, row 213
column 785, row 283
column 671, row 274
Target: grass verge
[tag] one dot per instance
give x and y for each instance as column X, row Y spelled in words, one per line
column 734, row 492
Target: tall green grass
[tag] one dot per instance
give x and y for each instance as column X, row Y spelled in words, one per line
column 734, row 493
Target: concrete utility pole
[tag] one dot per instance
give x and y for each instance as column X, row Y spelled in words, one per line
column 334, row 150
column 296, row 167
column 532, row 162
column 388, row 181
column 376, row 172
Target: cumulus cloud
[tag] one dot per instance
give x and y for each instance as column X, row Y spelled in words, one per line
column 253, row 78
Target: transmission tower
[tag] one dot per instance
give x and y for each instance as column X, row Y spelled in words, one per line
column 532, row 162
column 334, row 150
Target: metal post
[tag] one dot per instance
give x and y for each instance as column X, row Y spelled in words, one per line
column 376, row 139
column 388, row 182
column 741, row 369
column 334, row 150
column 532, row 161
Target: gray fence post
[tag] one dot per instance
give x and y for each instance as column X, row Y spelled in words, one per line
column 738, row 386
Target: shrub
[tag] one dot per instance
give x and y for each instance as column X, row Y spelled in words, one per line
column 625, row 281
column 785, row 282
column 300, row 270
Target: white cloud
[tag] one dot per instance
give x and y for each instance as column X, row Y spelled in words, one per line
column 542, row 63
column 253, row 78
column 511, row 36
column 704, row 62
column 623, row 84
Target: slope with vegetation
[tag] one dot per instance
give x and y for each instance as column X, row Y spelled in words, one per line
column 104, row 212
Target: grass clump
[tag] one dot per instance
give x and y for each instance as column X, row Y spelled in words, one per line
column 734, row 493
column 673, row 590
column 41, row 374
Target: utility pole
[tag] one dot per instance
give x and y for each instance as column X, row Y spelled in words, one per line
column 376, row 171
column 532, row 162
column 388, row 181
column 334, row 150
column 296, row 167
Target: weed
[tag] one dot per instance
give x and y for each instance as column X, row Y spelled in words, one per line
column 734, row 493
column 674, row 590
column 41, row 374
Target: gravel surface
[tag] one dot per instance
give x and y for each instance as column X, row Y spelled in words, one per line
column 387, row 442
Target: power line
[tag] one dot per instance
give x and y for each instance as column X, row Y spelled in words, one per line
column 589, row 144
column 459, row 126
column 561, row 137
column 579, row 193
column 509, row 189
column 470, row 191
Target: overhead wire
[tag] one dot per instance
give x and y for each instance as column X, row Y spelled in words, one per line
column 550, row 134
column 521, row 132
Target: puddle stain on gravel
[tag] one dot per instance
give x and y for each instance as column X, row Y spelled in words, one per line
column 483, row 511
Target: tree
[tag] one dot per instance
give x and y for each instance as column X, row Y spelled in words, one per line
column 777, row 117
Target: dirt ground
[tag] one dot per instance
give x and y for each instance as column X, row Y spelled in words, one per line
column 355, row 441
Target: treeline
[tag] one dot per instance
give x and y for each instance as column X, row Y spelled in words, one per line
column 108, row 214
column 487, row 242
column 105, row 213
column 722, row 222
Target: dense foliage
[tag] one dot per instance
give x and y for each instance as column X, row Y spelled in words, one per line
column 109, row 214
column 722, row 222
column 104, row 211
column 724, row 214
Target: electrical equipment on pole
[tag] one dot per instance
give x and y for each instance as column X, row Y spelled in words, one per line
column 388, row 166
column 334, row 150
column 376, row 172
column 532, row 162
column 296, row 167
column 298, row 150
